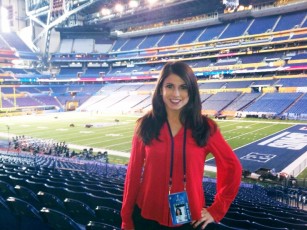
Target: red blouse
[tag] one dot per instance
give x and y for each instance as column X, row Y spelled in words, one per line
column 147, row 178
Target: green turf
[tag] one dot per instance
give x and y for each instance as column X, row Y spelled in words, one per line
column 109, row 134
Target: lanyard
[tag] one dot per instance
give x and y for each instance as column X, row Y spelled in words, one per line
column 172, row 157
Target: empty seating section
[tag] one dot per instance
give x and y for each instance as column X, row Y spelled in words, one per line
column 150, row 41
column 15, row 41
column 274, row 103
column 119, row 43
column 104, row 103
column 67, row 192
column 14, row 70
column 238, row 84
column 275, row 39
column 235, row 29
column 292, row 82
column 211, row 33
column 219, row 101
column 262, row 25
column 47, row 100
column 31, row 90
column 264, row 82
column 199, row 63
column 136, row 97
column 27, row 101
column 61, row 193
column 212, row 85
column 242, row 101
column 169, row 39
column 299, row 107
column 3, row 45
column 129, row 102
column 190, row 36
column 136, row 46
column 61, row 89
column 145, row 104
column 204, row 96
column 255, row 58
column 94, row 72
column 289, row 21
column 69, row 72
column 300, row 56
column 132, row 44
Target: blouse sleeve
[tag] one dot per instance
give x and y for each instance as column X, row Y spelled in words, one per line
column 229, row 172
column 132, row 182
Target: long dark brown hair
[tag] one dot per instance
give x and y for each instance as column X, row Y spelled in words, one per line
column 149, row 126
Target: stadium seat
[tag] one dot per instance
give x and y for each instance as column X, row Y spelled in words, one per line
column 104, row 192
column 221, row 226
column 28, row 217
column 108, row 215
column 236, row 223
column 20, row 180
column 79, row 211
column 7, row 220
column 28, row 195
column 297, row 226
column 35, row 186
column 60, row 192
column 93, row 201
column 261, row 220
column 264, row 227
column 59, row 220
column 92, row 225
column 49, row 200
column 6, row 189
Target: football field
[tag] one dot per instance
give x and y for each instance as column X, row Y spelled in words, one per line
column 114, row 133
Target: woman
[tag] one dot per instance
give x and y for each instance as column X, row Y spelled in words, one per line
column 168, row 154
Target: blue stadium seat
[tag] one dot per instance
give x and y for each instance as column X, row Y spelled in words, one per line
column 28, row 217
column 264, row 227
column 108, row 215
column 28, row 195
column 59, row 220
column 7, row 220
column 236, row 223
column 79, row 211
column 6, row 189
column 93, row 225
column 49, row 200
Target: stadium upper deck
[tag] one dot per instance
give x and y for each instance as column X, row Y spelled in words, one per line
column 250, row 51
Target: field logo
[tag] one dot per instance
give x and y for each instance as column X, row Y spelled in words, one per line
column 259, row 157
column 287, row 140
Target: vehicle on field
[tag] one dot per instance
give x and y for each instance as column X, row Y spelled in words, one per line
column 263, row 174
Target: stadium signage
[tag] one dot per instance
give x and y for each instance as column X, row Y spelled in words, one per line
column 291, row 141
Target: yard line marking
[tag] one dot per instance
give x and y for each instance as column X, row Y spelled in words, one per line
column 244, row 134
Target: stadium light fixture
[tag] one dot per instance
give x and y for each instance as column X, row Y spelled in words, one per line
column 105, row 11
column 152, row 2
column 240, row 8
column 134, row 4
column 119, row 8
